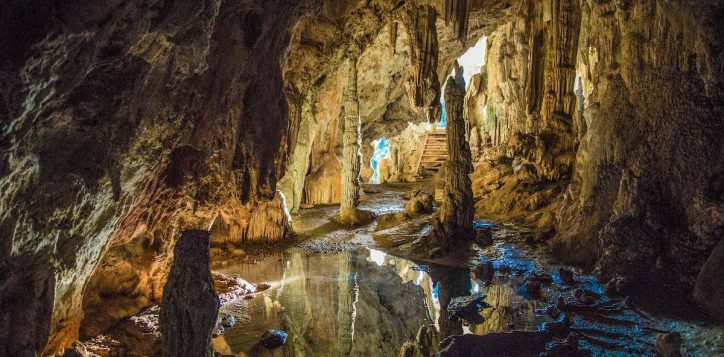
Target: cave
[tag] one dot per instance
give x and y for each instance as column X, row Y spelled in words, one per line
column 361, row 178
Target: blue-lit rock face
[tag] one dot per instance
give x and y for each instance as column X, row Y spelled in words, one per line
column 382, row 150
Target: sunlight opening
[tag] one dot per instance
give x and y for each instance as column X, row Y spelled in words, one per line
column 382, row 151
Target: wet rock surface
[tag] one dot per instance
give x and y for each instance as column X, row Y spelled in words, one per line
column 273, row 339
column 420, row 201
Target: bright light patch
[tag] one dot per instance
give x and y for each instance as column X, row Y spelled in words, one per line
column 378, row 257
column 471, row 61
column 382, row 150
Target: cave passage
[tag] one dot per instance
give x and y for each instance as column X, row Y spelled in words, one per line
column 361, row 177
column 381, row 151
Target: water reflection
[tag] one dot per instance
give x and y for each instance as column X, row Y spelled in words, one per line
column 359, row 303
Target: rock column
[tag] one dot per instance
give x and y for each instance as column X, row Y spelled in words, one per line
column 348, row 212
column 455, row 220
column 190, row 306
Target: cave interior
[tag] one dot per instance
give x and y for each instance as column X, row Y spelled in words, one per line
column 361, row 178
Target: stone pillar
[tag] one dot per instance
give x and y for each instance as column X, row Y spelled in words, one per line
column 454, row 222
column 189, row 306
column 351, row 160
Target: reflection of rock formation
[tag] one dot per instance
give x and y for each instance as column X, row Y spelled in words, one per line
column 451, row 283
column 347, row 298
column 507, row 306
column 347, row 304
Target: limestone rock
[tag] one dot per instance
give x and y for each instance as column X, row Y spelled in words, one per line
column 668, row 345
column 455, row 220
column 708, row 291
column 273, row 339
column 190, row 305
column 420, row 202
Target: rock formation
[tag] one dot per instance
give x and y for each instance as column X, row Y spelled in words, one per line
column 708, row 290
column 190, row 305
column 454, row 222
column 348, row 212
column 423, row 88
column 140, row 123
column 458, row 12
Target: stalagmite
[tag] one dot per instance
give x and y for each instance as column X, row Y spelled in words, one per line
column 423, row 87
column 190, row 305
column 454, row 223
column 349, row 214
column 458, row 12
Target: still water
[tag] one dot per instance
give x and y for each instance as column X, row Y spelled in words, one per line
column 361, row 303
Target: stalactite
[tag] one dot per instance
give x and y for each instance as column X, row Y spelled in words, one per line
column 560, row 76
column 458, row 12
column 423, row 87
column 393, row 36
column 454, row 223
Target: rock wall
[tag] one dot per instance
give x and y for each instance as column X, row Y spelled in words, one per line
column 647, row 184
column 599, row 123
column 522, row 108
column 122, row 124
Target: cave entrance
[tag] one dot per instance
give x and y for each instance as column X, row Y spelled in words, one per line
column 381, row 151
column 472, row 62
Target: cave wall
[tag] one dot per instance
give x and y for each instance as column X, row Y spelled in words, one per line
column 611, row 137
column 646, row 196
column 123, row 123
column 521, row 109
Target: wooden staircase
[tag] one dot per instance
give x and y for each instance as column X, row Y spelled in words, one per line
column 434, row 153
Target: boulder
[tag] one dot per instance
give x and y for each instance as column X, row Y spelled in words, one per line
column 709, row 289
column 566, row 276
column 484, row 237
column 420, row 202
column 668, row 345
column 272, row 339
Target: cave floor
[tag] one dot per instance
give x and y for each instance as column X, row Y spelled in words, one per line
column 337, row 292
